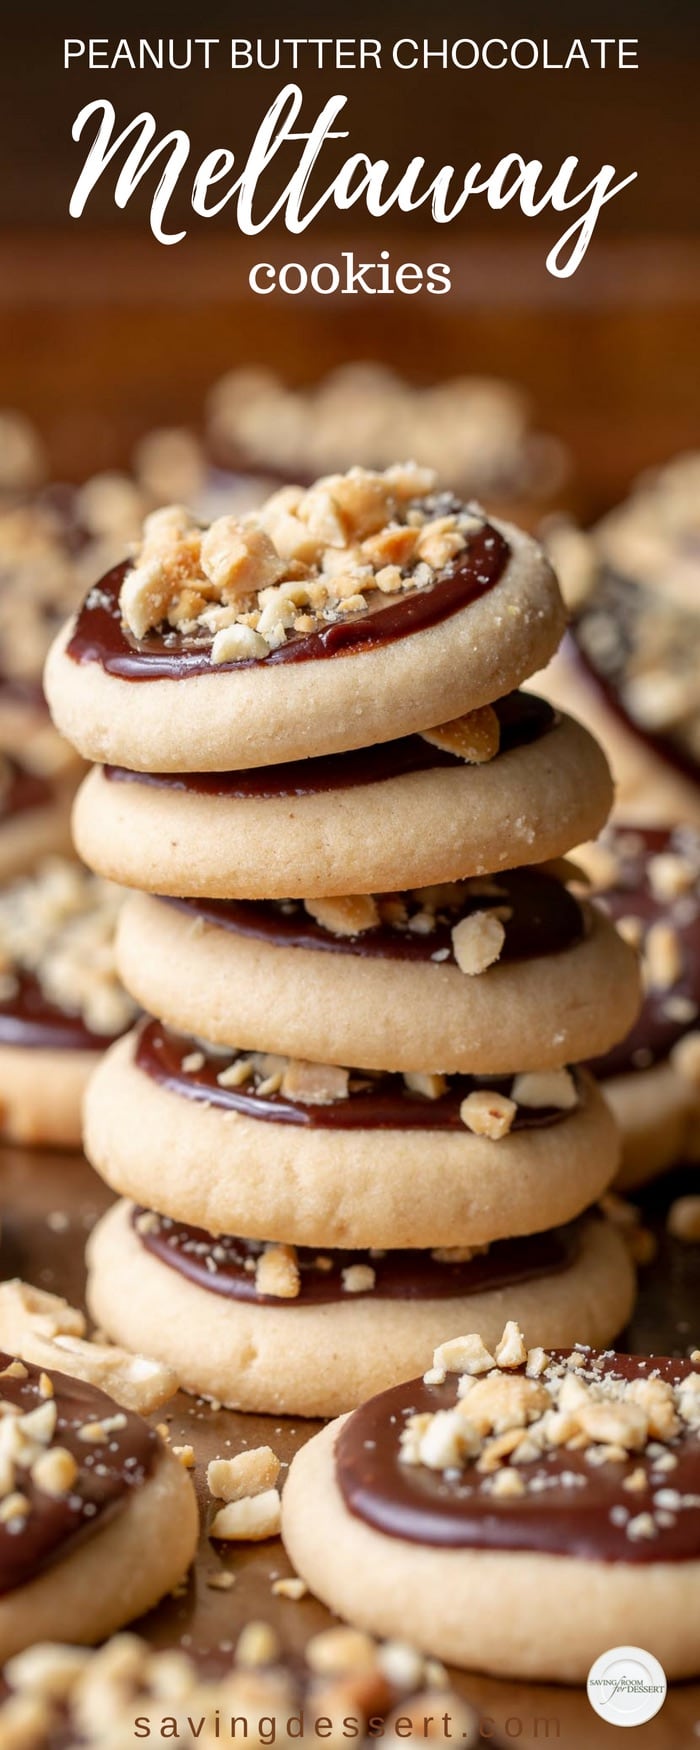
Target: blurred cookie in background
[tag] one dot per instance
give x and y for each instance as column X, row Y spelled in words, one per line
column 476, row 432
column 630, row 669
column 647, row 880
column 54, row 542
column 23, row 462
column 61, row 1002
column 34, row 816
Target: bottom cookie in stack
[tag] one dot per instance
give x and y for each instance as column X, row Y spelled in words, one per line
column 316, row 1228
column 294, row 1331
column 517, row 1512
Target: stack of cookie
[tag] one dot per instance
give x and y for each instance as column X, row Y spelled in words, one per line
column 347, row 1126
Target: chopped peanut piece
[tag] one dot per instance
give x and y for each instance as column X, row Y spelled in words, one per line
column 348, row 916
column 250, row 1520
column 315, row 1084
column 474, row 738
column 477, row 941
column 487, row 1113
column 463, row 1355
column 277, row 1273
column 541, row 1088
column 252, row 1472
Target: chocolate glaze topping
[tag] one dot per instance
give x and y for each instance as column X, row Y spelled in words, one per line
column 109, row 1470
column 100, row 636
column 575, row 1509
column 377, row 1101
column 226, row 1265
column 29, row 1019
column 659, row 1026
column 545, row 919
column 523, row 718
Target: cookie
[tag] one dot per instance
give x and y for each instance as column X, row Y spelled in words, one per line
column 317, row 1156
column 34, row 817
column 357, row 1323
column 401, row 815
column 458, row 1513
column 647, row 880
column 336, row 1682
column 364, row 609
column 647, row 787
column 475, row 431
column 61, row 1002
column 98, row 1519
column 474, row 976
column 53, row 543
column 634, row 656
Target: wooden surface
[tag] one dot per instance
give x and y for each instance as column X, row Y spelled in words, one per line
column 49, row 1203
column 103, row 337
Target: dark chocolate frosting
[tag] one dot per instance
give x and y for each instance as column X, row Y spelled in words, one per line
column 377, row 1100
column 100, row 636
column 30, row 1020
column 523, row 719
column 108, row 1470
column 545, row 919
column 225, row 1264
column 658, row 1027
column 574, row 1509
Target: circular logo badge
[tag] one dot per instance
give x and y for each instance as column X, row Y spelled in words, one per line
column 626, row 1686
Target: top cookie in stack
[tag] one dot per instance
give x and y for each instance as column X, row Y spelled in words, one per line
column 363, row 611
column 321, row 701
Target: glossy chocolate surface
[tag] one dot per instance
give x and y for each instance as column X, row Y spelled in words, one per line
column 100, row 636
column 225, row 1265
column 377, row 1100
column 576, row 1509
column 108, row 1470
column 523, row 719
column 658, row 1027
column 30, row 1020
column 545, row 919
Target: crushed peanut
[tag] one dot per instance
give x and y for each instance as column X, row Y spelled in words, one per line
column 488, row 1113
column 251, row 1519
column 250, row 1473
column 46, row 1331
column 277, row 1272
column 243, row 584
column 474, row 738
column 477, row 941
column 58, row 924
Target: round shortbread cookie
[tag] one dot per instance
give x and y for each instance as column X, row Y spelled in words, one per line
column 41, row 1095
column 274, row 979
column 34, row 817
column 61, row 1003
column 647, row 787
column 436, row 824
column 489, row 1569
column 317, row 1359
column 313, row 1183
column 647, row 879
column 112, row 695
column 77, row 1567
column 658, row 1115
